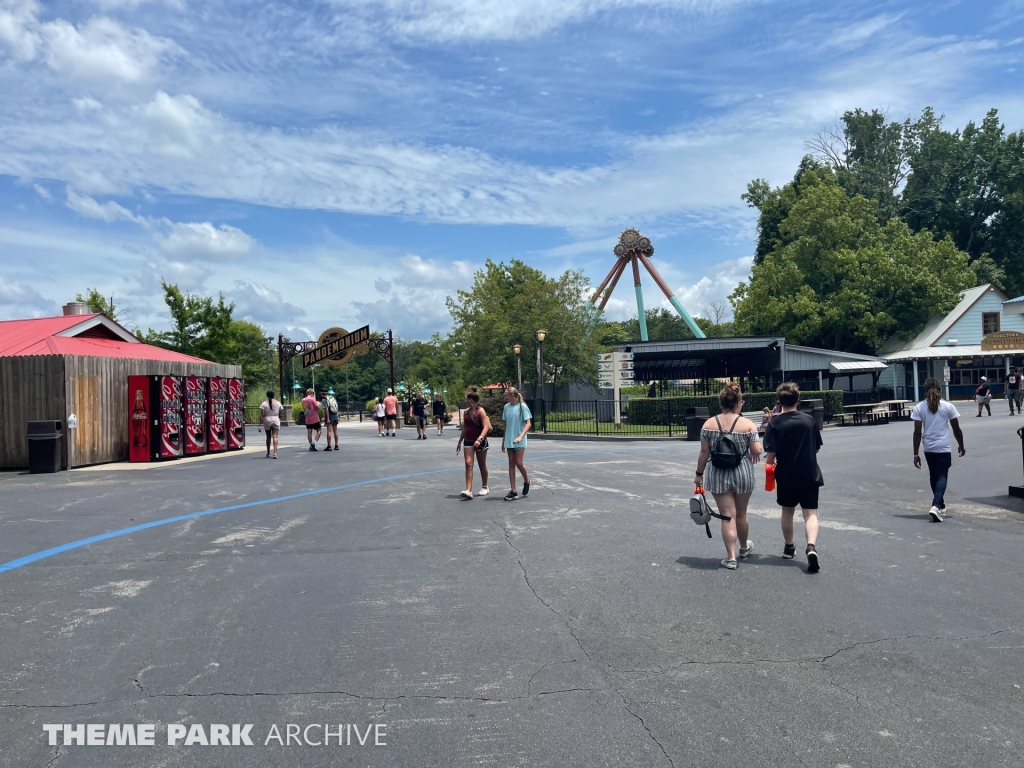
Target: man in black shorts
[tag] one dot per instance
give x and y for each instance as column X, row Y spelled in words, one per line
column 1013, row 390
column 792, row 442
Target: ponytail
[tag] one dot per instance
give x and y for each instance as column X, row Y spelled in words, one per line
column 933, row 393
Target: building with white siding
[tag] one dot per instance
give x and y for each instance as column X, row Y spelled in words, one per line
column 982, row 336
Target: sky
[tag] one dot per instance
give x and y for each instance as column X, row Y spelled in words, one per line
column 350, row 162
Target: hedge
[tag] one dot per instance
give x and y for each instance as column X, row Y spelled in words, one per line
column 665, row 410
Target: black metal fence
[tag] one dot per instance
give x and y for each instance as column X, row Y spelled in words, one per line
column 662, row 417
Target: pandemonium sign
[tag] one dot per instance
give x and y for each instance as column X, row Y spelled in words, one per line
column 335, row 346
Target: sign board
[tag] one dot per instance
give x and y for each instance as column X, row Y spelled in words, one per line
column 1001, row 340
column 625, row 374
column 606, row 384
column 606, row 375
column 335, row 346
column 626, row 366
column 623, row 355
column 605, row 357
column 605, row 366
column 945, row 373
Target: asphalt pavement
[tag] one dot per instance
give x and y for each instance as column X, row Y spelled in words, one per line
column 589, row 624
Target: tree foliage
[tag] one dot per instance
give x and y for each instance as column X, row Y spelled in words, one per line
column 506, row 305
column 839, row 278
column 99, row 303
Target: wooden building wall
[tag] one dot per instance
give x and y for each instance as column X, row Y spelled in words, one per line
column 31, row 389
column 95, row 389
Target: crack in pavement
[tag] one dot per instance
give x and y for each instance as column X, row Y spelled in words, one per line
column 545, row 603
column 56, row 756
column 269, row 694
column 568, row 626
column 529, row 683
column 810, row 659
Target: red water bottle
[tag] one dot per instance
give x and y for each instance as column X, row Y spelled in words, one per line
column 769, row 477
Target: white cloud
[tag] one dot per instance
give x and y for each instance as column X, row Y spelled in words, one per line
column 714, row 286
column 416, row 316
column 203, row 239
column 109, row 211
column 20, row 300
column 43, row 192
column 262, row 304
column 17, row 33
column 187, row 275
column 382, row 286
column 458, row 20
column 101, row 49
column 417, row 272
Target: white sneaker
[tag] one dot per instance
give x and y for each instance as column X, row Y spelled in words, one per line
column 466, row 494
column 483, row 491
column 936, row 514
column 730, row 564
column 745, row 551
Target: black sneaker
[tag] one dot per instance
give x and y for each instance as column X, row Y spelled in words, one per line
column 526, row 489
column 511, row 496
column 812, row 559
column 789, row 552
column 337, row 448
column 312, row 447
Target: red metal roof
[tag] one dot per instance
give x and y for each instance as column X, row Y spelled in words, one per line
column 38, row 336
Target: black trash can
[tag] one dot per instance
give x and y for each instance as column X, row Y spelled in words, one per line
column 815, row 409
column 695, row 418
column 44, row 446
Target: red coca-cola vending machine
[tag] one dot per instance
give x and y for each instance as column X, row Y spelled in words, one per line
column 195, row 415
column 236, row 414
column 217, row 421
column 156, row 418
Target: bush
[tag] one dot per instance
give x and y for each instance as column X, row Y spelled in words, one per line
column 665, row 410
column 559, row 417
column 494, row 406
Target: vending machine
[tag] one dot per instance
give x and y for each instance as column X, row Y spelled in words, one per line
column 156, row 418
column 236, row 414
column 217, row 422
column 195, row 415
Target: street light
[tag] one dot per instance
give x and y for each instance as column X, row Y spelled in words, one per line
column 541, row 334
column 518, row 348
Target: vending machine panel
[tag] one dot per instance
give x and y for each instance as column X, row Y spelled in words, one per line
column 195, row 415
column 138, row 419
column 236, row 414
column 165, row 397
column 217, row 424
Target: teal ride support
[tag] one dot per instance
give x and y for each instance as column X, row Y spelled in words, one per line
column 640, row 313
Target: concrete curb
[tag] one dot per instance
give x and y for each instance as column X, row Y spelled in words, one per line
column 603, row 438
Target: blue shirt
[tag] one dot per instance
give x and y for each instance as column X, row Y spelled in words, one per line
column 515, row 417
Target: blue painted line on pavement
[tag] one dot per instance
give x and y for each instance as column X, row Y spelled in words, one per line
column 23, row 561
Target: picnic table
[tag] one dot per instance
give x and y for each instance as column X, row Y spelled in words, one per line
column 897, row 409
column 858, row 413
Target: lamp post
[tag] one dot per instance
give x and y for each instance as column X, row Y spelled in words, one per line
column 541, row 335
column 518, row 348
column 270, row 346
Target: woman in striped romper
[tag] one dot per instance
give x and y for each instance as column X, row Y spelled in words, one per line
column 730, row 487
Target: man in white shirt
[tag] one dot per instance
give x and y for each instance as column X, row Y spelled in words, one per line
column 933, row 419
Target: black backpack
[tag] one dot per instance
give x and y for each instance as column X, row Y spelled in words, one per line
column 726, row 453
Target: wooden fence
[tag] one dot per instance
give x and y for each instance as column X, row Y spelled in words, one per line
column 95, row 389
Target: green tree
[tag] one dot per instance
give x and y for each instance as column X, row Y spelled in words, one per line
column 200, row 326
column 507, row 304
column 98, row 303
column 843, row 280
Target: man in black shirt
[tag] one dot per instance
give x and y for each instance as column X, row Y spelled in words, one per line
column 1013, row 390
column 419, row 414
column 792, row 442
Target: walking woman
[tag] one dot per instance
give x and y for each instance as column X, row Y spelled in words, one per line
column 983, row 396
column 517, row 418
column 729, row 439
column 270, row 411
column 378, row 415
column 475, row 427
column 933, row 419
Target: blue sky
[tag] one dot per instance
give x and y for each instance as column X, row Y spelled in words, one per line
column 354, row 161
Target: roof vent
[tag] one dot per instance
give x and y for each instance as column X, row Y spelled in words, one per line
column 951, row 342
column 77, row 308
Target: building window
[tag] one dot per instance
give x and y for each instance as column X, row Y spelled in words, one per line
column 989, row 323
